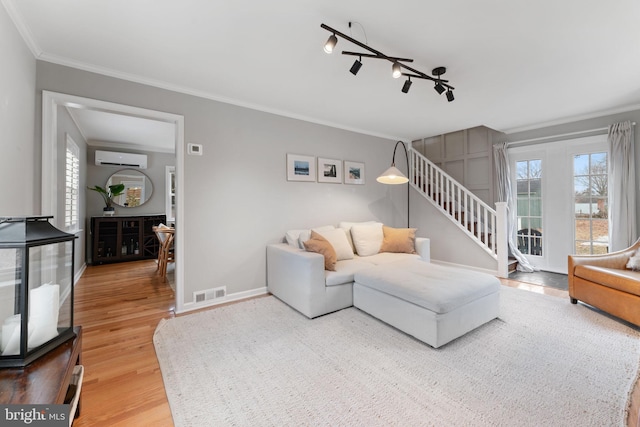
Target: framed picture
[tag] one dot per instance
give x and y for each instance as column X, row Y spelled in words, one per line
column 301, row 168
column 329, row 170
column 353, row 172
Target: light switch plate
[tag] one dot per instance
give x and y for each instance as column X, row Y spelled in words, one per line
column 194, row 149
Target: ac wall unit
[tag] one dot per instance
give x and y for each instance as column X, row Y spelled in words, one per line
column 112, row 158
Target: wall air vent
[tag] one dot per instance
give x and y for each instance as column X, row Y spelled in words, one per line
column 209, row 294
column 112, row 158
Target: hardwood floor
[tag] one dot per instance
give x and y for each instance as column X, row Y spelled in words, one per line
column 119, row 307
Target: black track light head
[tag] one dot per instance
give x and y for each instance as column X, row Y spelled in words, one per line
column 356, row 67
column 331, row 43
column 450, row 95
column 439, row 88
column 406, row 86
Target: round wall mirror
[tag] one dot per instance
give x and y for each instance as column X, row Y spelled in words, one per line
column 137, row 188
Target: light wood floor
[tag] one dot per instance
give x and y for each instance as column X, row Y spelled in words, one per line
column 119, row 307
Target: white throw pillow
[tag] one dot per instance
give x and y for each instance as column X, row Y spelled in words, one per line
column 634, row 262
column 293, row 236
column 306, row 234
column 367, row 238
column 338, row 239
column 346, row 225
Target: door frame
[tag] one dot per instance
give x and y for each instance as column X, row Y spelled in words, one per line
column 556, row 155
column 50, row 103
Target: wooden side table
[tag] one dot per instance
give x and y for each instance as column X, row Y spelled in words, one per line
column 46, row 379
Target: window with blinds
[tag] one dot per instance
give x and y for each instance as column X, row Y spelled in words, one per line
column 72, row 185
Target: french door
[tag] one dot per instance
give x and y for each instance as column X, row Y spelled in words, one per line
column 559, row 189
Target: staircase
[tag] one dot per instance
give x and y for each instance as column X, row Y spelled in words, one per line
column 484, row 225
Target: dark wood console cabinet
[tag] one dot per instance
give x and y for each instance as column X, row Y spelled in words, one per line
column 46, row 379
column 124, row 238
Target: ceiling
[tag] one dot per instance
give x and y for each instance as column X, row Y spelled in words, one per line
column 515, row 64
column 113, row 130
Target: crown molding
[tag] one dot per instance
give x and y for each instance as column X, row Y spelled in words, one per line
column 22, row 28
column 206, row 95
column 573, row 119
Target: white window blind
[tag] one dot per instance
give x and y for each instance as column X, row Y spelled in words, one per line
column 72, row 185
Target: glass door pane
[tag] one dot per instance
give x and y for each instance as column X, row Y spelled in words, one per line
column 529, row 206
column 591, row 203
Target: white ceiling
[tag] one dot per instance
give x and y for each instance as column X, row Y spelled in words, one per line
column 112, row 130
column 515, row 64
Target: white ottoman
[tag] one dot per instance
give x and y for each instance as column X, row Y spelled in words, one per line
column 434, row 303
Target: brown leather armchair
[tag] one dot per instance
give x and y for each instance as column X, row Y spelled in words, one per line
column 603, row 281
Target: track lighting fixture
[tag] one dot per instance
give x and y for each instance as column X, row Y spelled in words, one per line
column 356, row 66
column 398, row 64
column 331, row 43
column 449, row 96
column 407, row 85
column 396, row 71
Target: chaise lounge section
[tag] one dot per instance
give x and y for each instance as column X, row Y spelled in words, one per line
column 434, row 303
column 298, row 277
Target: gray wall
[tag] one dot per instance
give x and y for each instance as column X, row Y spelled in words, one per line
column 584, row 125
column 19, row 164
column 237, row 198
column 98, row 175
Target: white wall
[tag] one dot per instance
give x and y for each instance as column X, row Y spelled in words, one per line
column 66, row 125
column 237, row 198
column 18, row 161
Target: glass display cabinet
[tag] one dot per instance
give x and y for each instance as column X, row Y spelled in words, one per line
column 36, row 289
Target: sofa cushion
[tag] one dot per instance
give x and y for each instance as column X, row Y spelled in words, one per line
column 345, row 271
column 293, row 238
column 435, row 287
column 319, row 244
column 389, row 257
column 623, row 280
column 346, row 225
column 367, row 238
column 297, row 237
column 634, row 262
column 399, row 240
column 338, row 239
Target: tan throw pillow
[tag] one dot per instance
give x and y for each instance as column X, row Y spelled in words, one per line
column 401, row 240
column 320, row 245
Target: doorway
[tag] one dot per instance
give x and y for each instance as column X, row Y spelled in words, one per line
column 50, row 103
column 561, row 204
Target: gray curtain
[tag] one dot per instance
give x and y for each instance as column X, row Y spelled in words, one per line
column 504, row 195
column 622, row 196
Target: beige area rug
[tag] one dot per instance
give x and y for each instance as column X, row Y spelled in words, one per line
column 544, row 362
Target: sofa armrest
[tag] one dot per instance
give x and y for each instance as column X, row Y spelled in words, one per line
column 617, row 260
column 423, row 248
column 296, row 277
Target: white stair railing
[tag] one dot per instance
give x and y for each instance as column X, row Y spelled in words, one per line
column 473, row 216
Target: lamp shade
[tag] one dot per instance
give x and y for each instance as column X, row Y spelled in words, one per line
column 392, row 176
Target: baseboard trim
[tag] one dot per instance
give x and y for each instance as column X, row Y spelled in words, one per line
column 228, row 298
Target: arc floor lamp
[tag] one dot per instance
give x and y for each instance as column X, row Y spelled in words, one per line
column 394, row 176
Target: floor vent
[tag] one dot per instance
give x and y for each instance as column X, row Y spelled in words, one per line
column 210, row 294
